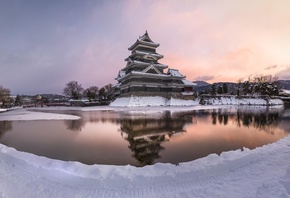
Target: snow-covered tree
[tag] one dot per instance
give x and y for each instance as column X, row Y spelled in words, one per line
column 264, row 85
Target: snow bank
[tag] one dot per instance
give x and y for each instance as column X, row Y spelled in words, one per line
column 262, row 172
column 243, row 101
column 180, row 102
column 24, row 114
column 286, row 91
column 2, row 110
column 137, row 101
column 142, row 101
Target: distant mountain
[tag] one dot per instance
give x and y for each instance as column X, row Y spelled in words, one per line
column 284, row 84
column 205, row 86
column 200, row 83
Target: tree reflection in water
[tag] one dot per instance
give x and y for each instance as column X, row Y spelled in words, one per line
column 263, row 120
column 75, row 125
column 4, row 127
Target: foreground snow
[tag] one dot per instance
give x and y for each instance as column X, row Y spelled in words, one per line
column 262, row 172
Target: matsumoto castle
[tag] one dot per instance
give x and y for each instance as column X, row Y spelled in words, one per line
column 144, row 74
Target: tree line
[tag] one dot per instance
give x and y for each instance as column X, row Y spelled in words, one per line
column 257, row 85
column 75, row 91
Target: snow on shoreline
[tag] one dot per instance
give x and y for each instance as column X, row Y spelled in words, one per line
column 262, row 172
column 24, row 114
column 2, row 110
column 143, row 101
column 243, row 101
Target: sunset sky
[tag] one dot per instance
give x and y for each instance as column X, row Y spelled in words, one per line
column 45, row 44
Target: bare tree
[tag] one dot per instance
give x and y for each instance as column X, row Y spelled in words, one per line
column 107, row 92
column 5, row 98
column 73, row 90
column 91, row 92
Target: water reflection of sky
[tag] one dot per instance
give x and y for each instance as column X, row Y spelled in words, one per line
column 108, row 137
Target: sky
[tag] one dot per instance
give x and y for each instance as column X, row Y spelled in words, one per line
column 46, row 44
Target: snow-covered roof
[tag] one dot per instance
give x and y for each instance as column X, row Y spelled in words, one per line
column 117, row 85
column 151, row 66
column 146, row 40
column 149, row 74
column 187, row 82
column 122, row 73
column 144, row 63
column 174, row 72
column 145, row 37
column 146, row 53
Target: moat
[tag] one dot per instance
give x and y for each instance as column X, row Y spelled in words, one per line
column 139, row 139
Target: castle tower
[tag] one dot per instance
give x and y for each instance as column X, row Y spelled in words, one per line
column 144, row 73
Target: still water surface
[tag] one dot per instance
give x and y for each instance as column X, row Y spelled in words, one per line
column 120, row 138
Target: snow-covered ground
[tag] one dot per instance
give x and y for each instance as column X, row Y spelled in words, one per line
column 243, row 101
column 139, row 101
column 285, row 91
column 2, row 110
column 24, row 114
column 262, row 172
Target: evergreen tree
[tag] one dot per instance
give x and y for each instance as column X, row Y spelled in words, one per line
column 225, row 88
column 17, row 101
column 220, row 90
column 213, row 90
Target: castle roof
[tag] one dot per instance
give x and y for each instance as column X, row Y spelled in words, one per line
column 175, row 72
column 188, row 83
column 144, row 40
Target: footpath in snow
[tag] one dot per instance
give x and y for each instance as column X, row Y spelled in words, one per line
column 262, row 172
